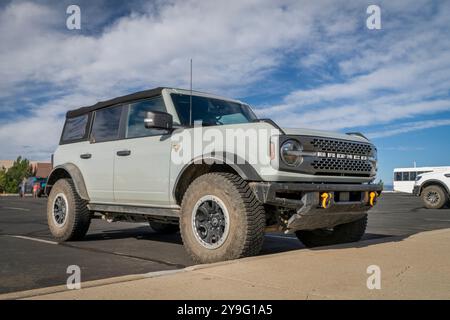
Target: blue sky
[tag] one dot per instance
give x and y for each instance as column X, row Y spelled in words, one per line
column 302, row 63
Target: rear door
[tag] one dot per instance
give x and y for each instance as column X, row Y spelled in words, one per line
column 142, row 158
column 97, row 157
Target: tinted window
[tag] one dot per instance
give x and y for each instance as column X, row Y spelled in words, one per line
column 138, row 111
column 398, row 176
column 412, row 176
column 405, row 176
column 211, row 111
column 75, row 128
column 106, row 124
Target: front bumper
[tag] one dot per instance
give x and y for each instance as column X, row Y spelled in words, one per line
column 348, row 202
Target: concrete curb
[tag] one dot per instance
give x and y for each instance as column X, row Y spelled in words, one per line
column 87, row 284
column 61, row 288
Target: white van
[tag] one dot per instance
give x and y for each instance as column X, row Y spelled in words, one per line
column 404, row 177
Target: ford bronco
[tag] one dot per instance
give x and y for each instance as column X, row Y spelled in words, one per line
column 207, row 167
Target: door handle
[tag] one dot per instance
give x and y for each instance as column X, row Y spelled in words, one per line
column 85, row 156
column 123, row 153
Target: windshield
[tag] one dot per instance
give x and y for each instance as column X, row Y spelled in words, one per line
column 211, row 112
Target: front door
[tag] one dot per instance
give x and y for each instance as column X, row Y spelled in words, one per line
column 142, row 159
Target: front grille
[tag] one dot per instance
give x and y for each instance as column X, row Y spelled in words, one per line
column 338, row 157
column 329, row 145
column 343, row 165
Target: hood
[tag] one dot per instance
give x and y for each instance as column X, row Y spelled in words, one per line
column 325, row 134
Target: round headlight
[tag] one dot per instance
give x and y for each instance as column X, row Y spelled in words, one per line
column 290, row 153
column 375, row 154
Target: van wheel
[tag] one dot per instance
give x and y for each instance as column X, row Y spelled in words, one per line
column 67, row 214
column 221, row 219
column 165, row 228
column 343, row 233
column 434, row 197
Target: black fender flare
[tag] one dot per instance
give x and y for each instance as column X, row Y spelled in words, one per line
column 244, row 169
column 68, row 170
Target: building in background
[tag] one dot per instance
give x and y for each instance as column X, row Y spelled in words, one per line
column 6, row 164
column 41, row 169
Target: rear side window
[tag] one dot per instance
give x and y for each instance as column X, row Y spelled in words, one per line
column 75, row 129
column 106, row 124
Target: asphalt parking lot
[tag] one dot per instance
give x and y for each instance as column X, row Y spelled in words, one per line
column 30, row 259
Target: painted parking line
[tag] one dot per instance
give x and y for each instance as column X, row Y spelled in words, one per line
column 439, row 220
column 33, row 239
column 16, row 208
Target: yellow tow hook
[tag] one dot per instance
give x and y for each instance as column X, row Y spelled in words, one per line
column 372, row 198
column 326, row 199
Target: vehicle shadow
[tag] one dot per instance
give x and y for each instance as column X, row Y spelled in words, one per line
column 138, row 233
column 277, row 243
column 364, row 242
column 273, row 242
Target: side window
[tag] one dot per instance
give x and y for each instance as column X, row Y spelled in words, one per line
column 106, row 124
column 412, row 176
column 398, row 176
column 75, row 128
column 138, row 111
column 405, row 176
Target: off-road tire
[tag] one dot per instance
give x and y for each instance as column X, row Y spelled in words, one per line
column 78, row 217
column 348, row 232
column 440, row 193
column 164, row 228
column 246, row 218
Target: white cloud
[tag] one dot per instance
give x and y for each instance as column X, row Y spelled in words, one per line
column 397, row 73
column 409, row 127
column 231, row 42
column 234, row 44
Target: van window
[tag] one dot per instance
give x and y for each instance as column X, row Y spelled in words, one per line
column 106, row 124
column 405, row 176
column 75, row 128
column 398, row 176
column 136, row 115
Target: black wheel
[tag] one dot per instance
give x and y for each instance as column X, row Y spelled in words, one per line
column 348, row 232
column 164, row 228
column 67, row 214
column 434, row 197
column 221, row 219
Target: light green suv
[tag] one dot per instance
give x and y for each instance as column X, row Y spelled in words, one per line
column 208, row 167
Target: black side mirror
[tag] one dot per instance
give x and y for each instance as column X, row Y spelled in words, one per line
column 158, row 120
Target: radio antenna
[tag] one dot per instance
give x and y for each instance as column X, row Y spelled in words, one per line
column 190, row 100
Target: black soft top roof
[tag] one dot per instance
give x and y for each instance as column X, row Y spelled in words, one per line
column 103, row 104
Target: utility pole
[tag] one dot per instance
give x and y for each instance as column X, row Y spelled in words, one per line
column 190, row 100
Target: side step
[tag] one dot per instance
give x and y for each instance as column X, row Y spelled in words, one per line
column 124, row 209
